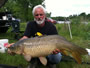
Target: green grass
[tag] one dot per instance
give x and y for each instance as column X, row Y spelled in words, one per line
column 18, row 60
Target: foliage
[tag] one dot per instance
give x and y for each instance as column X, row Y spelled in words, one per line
column 21, row 8
column 78, row 28
column 63, row 31
column 81, row 17
column 59, row 18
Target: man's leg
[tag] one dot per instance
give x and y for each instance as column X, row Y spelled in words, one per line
column 53, row 59
column 33, row 63
column 51, row 65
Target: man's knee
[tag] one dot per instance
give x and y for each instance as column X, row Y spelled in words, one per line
column 54, row 58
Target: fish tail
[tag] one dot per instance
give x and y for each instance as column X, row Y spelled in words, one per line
column 64, row 52
column 77, row 57
column 82, row 51
column 75, row 53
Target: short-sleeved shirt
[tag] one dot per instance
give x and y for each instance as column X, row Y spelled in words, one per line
column 32, row 28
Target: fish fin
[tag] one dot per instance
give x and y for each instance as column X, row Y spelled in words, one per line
column 27, row 57
column 77, row 57
column 64, row 52
column 43, row 60
column 77, row 52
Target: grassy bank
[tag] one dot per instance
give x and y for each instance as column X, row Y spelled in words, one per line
column 18, row 60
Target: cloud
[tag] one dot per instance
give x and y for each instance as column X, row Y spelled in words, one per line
column 67, row 7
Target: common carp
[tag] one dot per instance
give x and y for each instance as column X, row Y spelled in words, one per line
column 45, row 45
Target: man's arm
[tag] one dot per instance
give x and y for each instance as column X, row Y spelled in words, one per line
column 24, row 37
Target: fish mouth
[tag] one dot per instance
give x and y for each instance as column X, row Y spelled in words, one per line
column 10, row 52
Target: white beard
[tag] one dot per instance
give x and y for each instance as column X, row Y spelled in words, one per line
column 39, row 22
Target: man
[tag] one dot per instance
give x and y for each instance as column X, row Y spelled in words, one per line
column 42, row 26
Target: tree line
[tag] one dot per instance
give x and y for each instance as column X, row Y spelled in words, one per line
column 83, row 16
column 23, row 9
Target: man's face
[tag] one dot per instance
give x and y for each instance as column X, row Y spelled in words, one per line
column 39, row 16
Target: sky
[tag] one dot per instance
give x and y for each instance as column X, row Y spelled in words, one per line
column 67, row 7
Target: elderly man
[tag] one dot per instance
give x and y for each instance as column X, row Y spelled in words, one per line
column 43, row 27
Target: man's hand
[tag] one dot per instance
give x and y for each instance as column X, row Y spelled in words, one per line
column 24, row 37
column 56, row 51
column 9, row 45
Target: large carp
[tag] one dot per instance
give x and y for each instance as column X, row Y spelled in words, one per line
column 45, row 45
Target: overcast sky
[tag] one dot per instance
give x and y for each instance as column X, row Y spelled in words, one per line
column 67, row 7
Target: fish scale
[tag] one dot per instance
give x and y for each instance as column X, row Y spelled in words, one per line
column 45, row 45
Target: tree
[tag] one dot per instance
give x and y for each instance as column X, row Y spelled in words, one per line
column 88, row 17
column 22, row 8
